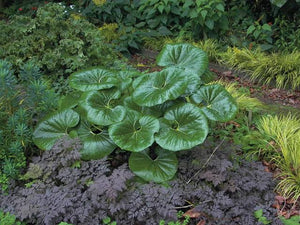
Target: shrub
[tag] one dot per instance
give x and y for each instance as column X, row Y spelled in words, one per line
column 22, row 99
column 56, row 42
column 151, row 115
column 139, row 19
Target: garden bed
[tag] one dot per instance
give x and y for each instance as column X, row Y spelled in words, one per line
column 212, row 179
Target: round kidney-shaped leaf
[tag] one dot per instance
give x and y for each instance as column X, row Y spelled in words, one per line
column 100, row 109
column 156, row 88
column 183, row 127
column 54, row 127
column 96, row 142
column 125, row 79
column 185, row 56
column 161, row 169
column 93, row 79
column 69, row 101
column 135, row 133
column 215, row 102
column 143, row 110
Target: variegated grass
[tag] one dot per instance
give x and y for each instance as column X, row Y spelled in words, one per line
column 285, row 132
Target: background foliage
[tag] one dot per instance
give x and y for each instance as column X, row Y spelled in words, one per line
column 55, row 41
column 23, row 101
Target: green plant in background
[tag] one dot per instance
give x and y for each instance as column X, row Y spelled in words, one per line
column 182, row 220
column 281, row 3
column 286, row 35
column 108, row 221
column 261, row 36
column 139, row 19
column 242, row 129
column 56, row 42
column 293, row 220
column 283, row 69
column 9, row 219
column 64, row 223
column 260, row 217
column 151, row 115
column 22, row 99
column 285, row 132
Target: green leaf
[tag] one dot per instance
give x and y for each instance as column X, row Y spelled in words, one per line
column 294, row 220
column 161, row 8
column 125, row 79
column 250, row 29
column 215, row 102
column 106, row 220
column 164, row 31
column 161, row 169
column 183, row 127
column 140, row 25
column 203, row 14
column 192, row 13
column 96, row 142
column 220, row 7
column 278, row 3
column 256, row 33
column 143, row 110
column 258, row 213
column 135, row 133
column 93, row 79
column 185, row 56
column 54, row 127
column 210, row 24
column 267, row 27
column 100, row 107
column 156, row 88
column 69, row 101
column 265, row 47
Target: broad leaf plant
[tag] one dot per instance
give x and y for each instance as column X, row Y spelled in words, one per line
column 151, row 115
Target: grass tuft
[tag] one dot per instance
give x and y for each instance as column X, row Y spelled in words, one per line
column 281, row 69
column 285, row 132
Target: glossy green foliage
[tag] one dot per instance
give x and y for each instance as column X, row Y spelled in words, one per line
column 182, row 127
column 135, row 112
column 54, row 127
column 101, row 108
column 135, row 133
column 215, row 102
column 92, row 80
column 184, row 56
column 21, row 99
column 156, row 88
column 56, row 41
column 160, row 169
column 96, row 141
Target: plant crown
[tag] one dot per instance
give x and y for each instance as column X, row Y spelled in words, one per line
column 151, row 115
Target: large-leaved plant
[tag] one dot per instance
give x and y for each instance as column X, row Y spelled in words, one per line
column 151, row 115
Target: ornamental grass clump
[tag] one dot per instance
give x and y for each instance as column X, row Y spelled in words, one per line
column 282, row 69
column 151, row 115
column 285, row 132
